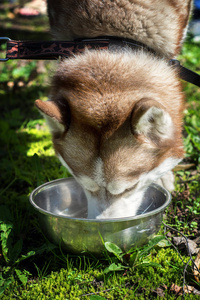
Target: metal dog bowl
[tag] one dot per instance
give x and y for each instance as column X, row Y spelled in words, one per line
column 62, row 209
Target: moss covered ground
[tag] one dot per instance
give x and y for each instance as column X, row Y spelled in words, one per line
column 31, row 267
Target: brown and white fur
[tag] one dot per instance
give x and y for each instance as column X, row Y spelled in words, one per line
column 116, row 116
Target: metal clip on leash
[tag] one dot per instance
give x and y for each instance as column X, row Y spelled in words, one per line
column 4, row 39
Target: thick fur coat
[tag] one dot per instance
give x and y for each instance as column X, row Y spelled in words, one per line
column 116, row 116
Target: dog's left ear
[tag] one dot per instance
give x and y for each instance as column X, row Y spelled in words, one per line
column 152, row 123
column 56, row 114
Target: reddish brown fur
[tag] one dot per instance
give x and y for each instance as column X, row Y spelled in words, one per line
column 103, row 103
column 116, row 116
column 159, row 24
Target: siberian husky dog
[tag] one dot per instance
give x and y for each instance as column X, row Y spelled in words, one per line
column 116, row 115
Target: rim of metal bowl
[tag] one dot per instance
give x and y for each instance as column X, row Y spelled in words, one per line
column 141, row 216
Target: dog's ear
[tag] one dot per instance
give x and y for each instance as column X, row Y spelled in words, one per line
column 57, row 115
column 182, row 10
column 151, row 122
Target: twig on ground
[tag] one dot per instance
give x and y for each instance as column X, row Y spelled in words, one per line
column 189, row 254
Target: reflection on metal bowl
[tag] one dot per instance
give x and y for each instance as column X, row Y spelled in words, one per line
column 62, row 209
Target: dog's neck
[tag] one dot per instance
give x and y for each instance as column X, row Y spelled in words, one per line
column 115, row 43
column 159, row 24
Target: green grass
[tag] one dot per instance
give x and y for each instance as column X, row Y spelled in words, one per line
column 81, row 278
column 33, row 268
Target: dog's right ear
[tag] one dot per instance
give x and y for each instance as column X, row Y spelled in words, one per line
column 56, row 114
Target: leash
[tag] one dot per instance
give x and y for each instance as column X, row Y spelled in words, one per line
column 51, row 50
column 55, row 49
column 185, row 74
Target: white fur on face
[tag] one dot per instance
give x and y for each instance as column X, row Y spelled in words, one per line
column 99, row 172
column 118, row 199
column 128, row 205
column 98, row 181
column 119, row 187
column 158, row 172
column 88, row 183
column 94, row 185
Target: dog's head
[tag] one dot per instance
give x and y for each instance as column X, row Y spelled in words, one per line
column 116, row 122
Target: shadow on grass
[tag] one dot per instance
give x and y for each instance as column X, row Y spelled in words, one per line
column 22, row 127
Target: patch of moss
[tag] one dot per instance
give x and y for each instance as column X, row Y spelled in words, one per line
column 80, row 282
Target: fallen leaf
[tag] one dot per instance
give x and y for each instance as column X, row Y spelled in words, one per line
column 175, row 288
column 164, row 286
column 197, row 266
column 181, row 243
column 197, row 240
column 196, row 292
column 190, row 289
column 159, row 292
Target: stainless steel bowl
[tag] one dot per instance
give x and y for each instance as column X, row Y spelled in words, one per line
column 62, row 209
